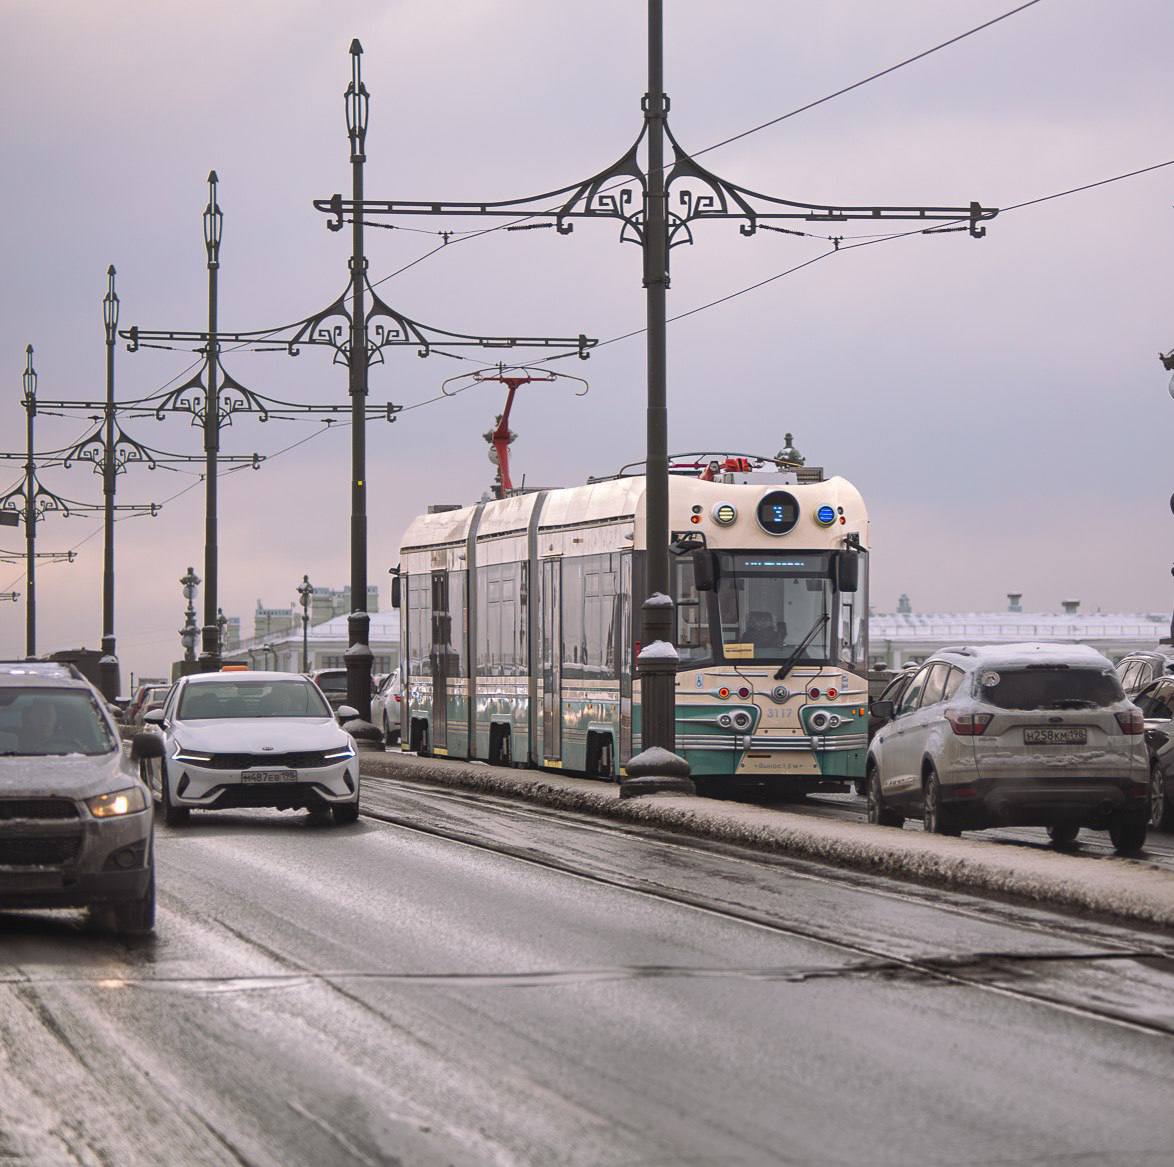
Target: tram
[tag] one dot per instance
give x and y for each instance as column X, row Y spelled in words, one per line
column 520, row 619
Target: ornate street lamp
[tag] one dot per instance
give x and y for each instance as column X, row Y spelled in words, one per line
column 305, row 594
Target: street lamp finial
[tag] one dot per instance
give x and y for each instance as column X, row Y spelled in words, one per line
column 356, row 48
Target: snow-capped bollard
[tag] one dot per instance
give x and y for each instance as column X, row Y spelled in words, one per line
column 657, row 769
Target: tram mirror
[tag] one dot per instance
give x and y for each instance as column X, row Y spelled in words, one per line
column 847, row 569
column 704, row 570
column 395, row 596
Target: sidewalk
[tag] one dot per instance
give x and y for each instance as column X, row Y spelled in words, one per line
column 1124, row 889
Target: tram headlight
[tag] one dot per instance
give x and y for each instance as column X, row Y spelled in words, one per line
column 741, row 719
column 819, row 720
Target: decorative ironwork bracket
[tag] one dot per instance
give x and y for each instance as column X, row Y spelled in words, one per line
column 620, row 191
column 386, row 328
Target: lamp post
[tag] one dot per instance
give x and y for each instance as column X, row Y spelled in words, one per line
column 29, row 382
column 108, row 664
column 358, row 654
column 189, row 633
column 305, row 594
column 213, row 228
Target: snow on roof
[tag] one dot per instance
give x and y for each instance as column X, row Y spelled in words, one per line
column 979, row 627
column 1030, row 653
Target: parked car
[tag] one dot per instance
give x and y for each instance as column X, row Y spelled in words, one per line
column 386, row 703
column 1025, row 734
column 1136, row 670
column 332, row 682
column 253, row 739
column 75, row 818
column 1156, row 703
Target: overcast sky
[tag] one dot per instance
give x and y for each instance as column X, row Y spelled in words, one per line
column 999, row 402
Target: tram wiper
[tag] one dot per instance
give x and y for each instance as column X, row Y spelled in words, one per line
column 789, row 663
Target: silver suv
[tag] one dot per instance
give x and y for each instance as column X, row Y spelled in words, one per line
column 1025, row 734
column 75, row 817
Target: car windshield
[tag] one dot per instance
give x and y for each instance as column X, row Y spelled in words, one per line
column 335, row 683
column 35, row 722
column 222, row 699
column 1049, row 688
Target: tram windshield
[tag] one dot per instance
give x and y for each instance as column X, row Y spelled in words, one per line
column 765, row 606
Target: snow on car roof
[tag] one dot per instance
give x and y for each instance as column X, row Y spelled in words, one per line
column 1004, row 655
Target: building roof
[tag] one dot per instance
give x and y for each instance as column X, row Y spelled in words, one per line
column 1001, row 627
column 384, row 630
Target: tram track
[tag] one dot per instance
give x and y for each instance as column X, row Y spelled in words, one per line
column 963, row 970
column 983, row 909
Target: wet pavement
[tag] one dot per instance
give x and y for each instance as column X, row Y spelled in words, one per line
column 458, row 979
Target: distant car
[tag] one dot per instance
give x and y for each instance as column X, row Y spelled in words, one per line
column 1136, row 670
column 75, row 817
column 1025, row 734
column 153, row 698
column 253, row 739
column 386, row 703
column 332, row 682
column 1156, row 703
column 133, row 713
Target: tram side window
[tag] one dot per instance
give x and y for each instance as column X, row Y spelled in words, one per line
column 501, row 620
column 419, row 625
column 590, row 613
column 692, row 616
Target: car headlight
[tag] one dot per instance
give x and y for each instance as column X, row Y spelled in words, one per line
column 182, row 755
column 118, row 802
column 347, row 751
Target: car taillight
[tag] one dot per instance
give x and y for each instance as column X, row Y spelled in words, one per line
column 968, row 724
column 1131, row 721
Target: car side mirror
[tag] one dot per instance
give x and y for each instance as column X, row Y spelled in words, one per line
column 346, row 713
column 146, row 745
column 1156, row 738
column 155, row 717
column 885, row 710
column 847, row 571
column 704, row 570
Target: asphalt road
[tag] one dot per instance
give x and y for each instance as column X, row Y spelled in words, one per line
column 458, row 979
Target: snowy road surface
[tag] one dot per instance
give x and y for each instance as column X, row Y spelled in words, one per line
column 457, row 979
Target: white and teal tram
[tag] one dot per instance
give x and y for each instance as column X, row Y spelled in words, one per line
column 520, row 625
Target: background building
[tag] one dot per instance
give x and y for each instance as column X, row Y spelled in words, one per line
column 898, row 637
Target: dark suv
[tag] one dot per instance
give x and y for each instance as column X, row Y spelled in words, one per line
column 75, row 817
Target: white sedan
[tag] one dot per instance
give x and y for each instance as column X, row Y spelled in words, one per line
column 253, row 739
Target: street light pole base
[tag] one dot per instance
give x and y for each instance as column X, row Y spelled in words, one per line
column 656, row 771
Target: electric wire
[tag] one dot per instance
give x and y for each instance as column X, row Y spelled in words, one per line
column 467, row 236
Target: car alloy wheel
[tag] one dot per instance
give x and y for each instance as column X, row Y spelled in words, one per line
column 1159, row 810
column 935, row 819
column 878, row 813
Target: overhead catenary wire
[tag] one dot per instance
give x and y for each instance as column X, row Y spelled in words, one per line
column 467, row 236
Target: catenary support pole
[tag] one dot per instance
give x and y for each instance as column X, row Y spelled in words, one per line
column 358, row 654
column 213, row 225
column 657, row 767
column 30, row 503
column 108, row 673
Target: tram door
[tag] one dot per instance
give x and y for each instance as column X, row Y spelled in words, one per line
column 626, row 648
column 441, row 659
column 552, row 681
